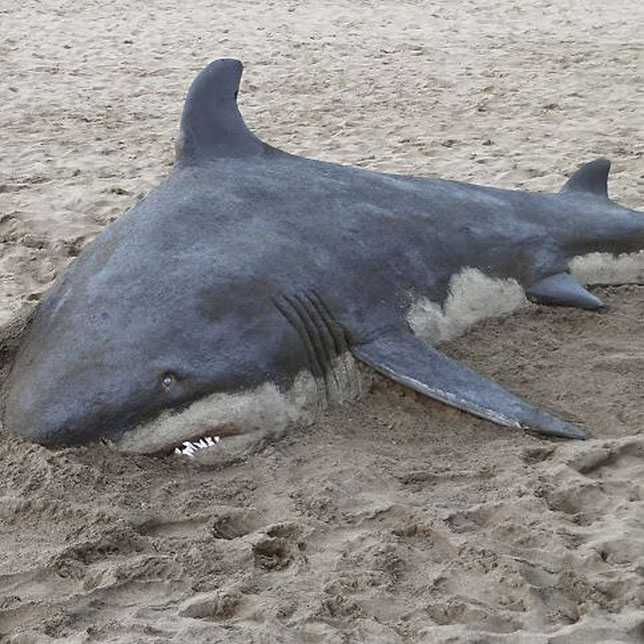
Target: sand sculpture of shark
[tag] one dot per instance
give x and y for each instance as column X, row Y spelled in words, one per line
column 244, row 290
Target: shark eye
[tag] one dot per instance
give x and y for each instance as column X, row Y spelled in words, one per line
column 167, row 380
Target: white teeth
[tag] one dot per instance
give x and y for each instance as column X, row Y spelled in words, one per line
column 190, row 449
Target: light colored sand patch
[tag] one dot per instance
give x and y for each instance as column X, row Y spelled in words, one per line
column 604, row 268
column 473, row 296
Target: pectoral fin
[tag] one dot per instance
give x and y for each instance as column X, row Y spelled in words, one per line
column 563, row 289
column 405, row 359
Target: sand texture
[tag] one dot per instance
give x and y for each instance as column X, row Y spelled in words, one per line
column 392, row 520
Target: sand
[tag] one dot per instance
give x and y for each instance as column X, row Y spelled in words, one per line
column 394, row 519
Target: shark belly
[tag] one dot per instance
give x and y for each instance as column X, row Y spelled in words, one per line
column 606, row 268
column 472, row 297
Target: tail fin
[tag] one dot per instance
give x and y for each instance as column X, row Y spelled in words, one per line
column 591, row 178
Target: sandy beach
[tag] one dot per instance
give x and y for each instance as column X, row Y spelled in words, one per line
column 394, row 519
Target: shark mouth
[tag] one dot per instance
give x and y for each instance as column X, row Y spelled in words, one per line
column 243, row 417
column 201, row 425
column 190, row 448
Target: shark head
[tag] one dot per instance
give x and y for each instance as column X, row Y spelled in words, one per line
column 137, row 333
column 148, row 320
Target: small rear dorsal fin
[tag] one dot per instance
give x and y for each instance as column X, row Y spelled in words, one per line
column 591, row 178
column 211, row 125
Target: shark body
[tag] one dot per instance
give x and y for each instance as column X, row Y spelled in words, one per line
column 251, row 281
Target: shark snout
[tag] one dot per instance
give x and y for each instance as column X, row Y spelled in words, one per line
column 67, row 407
column 37, row 421
column 51, row 422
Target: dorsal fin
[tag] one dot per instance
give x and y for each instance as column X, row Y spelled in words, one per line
column 211, row 125
column 591, row 178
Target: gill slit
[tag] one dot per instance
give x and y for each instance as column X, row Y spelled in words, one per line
column 325, row 343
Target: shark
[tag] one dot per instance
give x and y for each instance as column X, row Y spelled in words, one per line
column 253, row 287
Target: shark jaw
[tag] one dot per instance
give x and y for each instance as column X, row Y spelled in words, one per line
column 248, row 416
